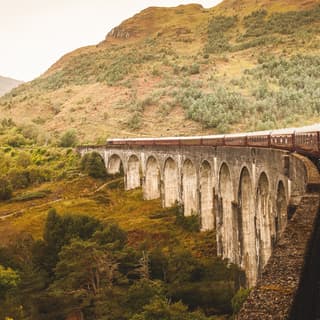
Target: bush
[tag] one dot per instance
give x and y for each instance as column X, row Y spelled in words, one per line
column 18, row 178
column 68, row 139
column 194, row 69
column 93, row 165
column 23, row 178
column 30, row 196
column 5, row 189
column 217, row 40
column 191, row 223
column 15, row 140
column 238, row 299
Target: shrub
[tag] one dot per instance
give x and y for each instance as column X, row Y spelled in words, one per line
column 135, row 121
column 238, row 299
column 191, row 223
column 15, row 140
column 5, row 189
column 68, row 139
column 217, row 40
column 18, row 178
column 194, row 69
column 30, row 196
column 93, row 165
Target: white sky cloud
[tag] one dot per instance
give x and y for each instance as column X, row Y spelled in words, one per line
column 36, row 33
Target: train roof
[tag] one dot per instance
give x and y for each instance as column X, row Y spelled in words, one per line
column 311, row 128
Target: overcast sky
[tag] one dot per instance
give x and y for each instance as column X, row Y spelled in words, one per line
column 36, row 33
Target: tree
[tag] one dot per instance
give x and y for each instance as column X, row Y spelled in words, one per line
column 5, row 189
column 58, row 232
column 8, row 279
column 68, row 139
column 161, row 309
column 84, row 268
column 93, row 164
column 142, row 292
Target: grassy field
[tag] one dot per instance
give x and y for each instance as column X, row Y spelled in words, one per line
column 110, row 204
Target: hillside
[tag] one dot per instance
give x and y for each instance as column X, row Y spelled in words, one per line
column 242, row 65
column 7, row 84
column 121, row 227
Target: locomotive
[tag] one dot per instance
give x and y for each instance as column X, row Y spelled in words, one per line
column 305, row 140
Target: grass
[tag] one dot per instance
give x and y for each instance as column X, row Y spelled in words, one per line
column 29, row 196
column 128, row 209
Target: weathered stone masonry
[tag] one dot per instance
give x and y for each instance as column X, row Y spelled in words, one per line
column 288, row 287
column 243, row 193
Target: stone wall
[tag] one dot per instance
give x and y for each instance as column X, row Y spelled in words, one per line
column 287, row 288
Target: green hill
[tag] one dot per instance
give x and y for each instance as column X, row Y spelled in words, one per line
column 242, row 65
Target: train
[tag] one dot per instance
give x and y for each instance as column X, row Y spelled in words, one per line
column 304, row 140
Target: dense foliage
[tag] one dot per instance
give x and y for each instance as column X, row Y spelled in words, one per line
column 93, row 164
column 83, row 265
column 24, row 162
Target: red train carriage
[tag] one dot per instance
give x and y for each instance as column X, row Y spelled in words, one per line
column 308, row 141
column 282, row 139
column 213, row 141
column 304, row 140
column 259, row 139
column 238, row 140
column 190, row 141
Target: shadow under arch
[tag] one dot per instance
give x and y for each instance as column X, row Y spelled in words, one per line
column 281, row 217
column 247, row 227
column 171, row 182
column 206, row 196
column 133, row 177
column 227, row 218
column 115, row 166
column 152, row 179
column 189, row 188
column 263, row 221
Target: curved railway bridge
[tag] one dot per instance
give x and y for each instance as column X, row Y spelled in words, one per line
column 258, row 191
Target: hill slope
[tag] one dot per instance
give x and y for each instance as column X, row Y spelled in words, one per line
column 242, row 65
column 7, row 84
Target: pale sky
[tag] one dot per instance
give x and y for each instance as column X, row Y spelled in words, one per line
column 36, row 33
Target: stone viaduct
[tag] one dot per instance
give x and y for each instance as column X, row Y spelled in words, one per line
column 247, row 195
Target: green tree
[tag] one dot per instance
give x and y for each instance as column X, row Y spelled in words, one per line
column 8, row 279
column 5, row 189
column 161, row 309
column 239, row 298
column 84, row 267
column 93, row 164
column 68, row 139
column 58, row 232
column 142, row 292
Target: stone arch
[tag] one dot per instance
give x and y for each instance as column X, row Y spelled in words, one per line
column 247, row 226
column 281, row 217
column 171, row 184
column 115, row 165
column 133, row 173
column 206, row 203
column 263, row 221
column 152, row 179
column 189, row 188
column 227, row 223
